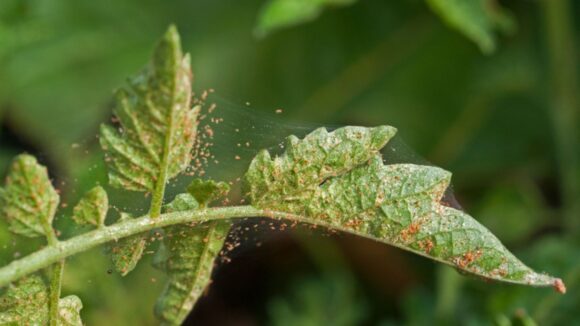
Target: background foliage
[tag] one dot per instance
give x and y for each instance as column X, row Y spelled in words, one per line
column 490, row 94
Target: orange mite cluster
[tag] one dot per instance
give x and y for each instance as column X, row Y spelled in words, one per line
column 353, row 224
column 559, row 286
column 413, row 229
column 467, row 258
column 426, row 245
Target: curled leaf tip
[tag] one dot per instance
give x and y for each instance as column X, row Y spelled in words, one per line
column 559, row 286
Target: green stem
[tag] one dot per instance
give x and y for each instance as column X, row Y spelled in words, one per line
column 564, row 103
column 54, row 253
column 55, row 285
column 49, row 232
column 57, row 271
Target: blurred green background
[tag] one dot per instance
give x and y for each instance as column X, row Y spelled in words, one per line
column 485, row 89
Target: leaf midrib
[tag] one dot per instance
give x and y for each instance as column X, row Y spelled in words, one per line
column 159, row 192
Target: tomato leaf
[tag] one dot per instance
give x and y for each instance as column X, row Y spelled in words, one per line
column 156, row 135
column 92, row 208
column 26, row 303
column 190, row 253
column 157, row 123
column 126, row 253
column 29, row 200
column 206, row 191
column 327, row 180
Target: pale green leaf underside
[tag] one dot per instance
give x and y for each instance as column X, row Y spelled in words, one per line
column 126, row 253
column 92, row 208
column 396, row 204
column 476, row 19
column 29, row 200
column 191, row 253
column 26, row 303
column 157, row 124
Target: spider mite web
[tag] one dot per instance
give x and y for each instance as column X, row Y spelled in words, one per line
column 230, row 135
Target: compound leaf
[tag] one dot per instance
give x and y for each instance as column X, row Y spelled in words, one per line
column 327, row 181
column 190, row 253
column 92, row 208
column 476, row 19
column 26, row 303
column 126, row 253
column 157, row 123
column 29, row 200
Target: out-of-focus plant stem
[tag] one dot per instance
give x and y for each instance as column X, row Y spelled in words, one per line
column 564, row 104
column 449, row 284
